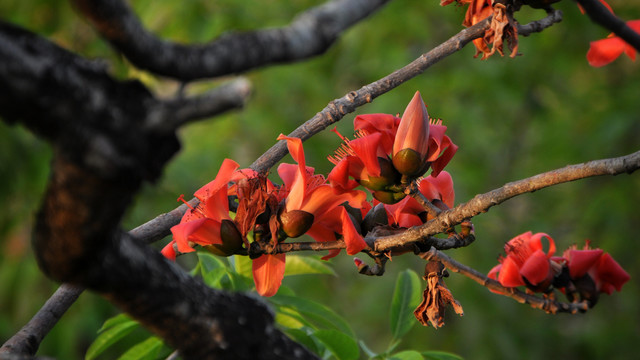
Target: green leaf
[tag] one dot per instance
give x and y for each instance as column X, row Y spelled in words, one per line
column 342, row 346
column 146, row 350
column 316, row 312
column 212, row 268
column 406, row 297
column 118, row 319
column 243, row 265
column 407, row 355
column 108, row 337
column 301, row 265
column 301, row 337
column 440, row 355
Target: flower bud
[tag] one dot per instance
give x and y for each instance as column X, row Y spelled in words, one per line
column 411, row 144
column 231, row 240
column 294, row 223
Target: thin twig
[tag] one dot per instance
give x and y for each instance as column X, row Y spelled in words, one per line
column 481, row 203
column 545, row 304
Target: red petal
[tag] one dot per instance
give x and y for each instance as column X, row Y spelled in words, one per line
column 580, row 261
column 450, row 149
column 536, row 268
column 510, row 273
column 339, row 177
column 604, row 51
column 609, row 272
column 268, row 271
column 169, row 252
column 354, row 241
column 385, row 124
column 535, row 243
column 202, row 231
column 366, row 148
column 439, row 187
column 223, row 177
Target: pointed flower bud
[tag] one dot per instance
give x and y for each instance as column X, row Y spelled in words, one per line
column 411, row 144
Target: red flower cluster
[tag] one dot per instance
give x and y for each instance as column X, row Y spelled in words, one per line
column 578, row 273
column 387, row 154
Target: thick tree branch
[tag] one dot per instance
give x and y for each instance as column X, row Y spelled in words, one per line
column 482, row 203
column 600, row 15
column 545, row 304
column 308, row 35
column 104, row 148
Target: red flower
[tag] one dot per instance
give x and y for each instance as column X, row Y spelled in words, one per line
column 602, row 52
column 309, row 205
column 526, row 263
column 208, row 224
column 607, row 274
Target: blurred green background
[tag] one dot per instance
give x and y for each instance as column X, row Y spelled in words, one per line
column 512, row 118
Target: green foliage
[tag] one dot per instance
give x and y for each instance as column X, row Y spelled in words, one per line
column 405, row 298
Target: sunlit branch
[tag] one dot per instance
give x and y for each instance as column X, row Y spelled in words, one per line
column 310, row 34
column 481, row 203
column 599, row 14
column 545, row 304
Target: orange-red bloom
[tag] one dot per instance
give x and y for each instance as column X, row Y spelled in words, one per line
column 602, row 52
column 526, row 263
column 208, row 224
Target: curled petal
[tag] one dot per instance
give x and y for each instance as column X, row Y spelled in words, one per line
column 535, row 243
column 450, row 149
column 339, row 177
column 536, row 268
column 268, row 272
column 610, row 275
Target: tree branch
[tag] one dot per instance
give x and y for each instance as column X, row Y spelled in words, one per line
column 482, row 203
column 547, row 305
column 600, row 15
column 310, row 34
column 28, row 339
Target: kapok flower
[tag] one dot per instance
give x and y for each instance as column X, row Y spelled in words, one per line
column 208, row 224
column 309, row 200
column 526, row 263
column 602, row 52
column 607, row 274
